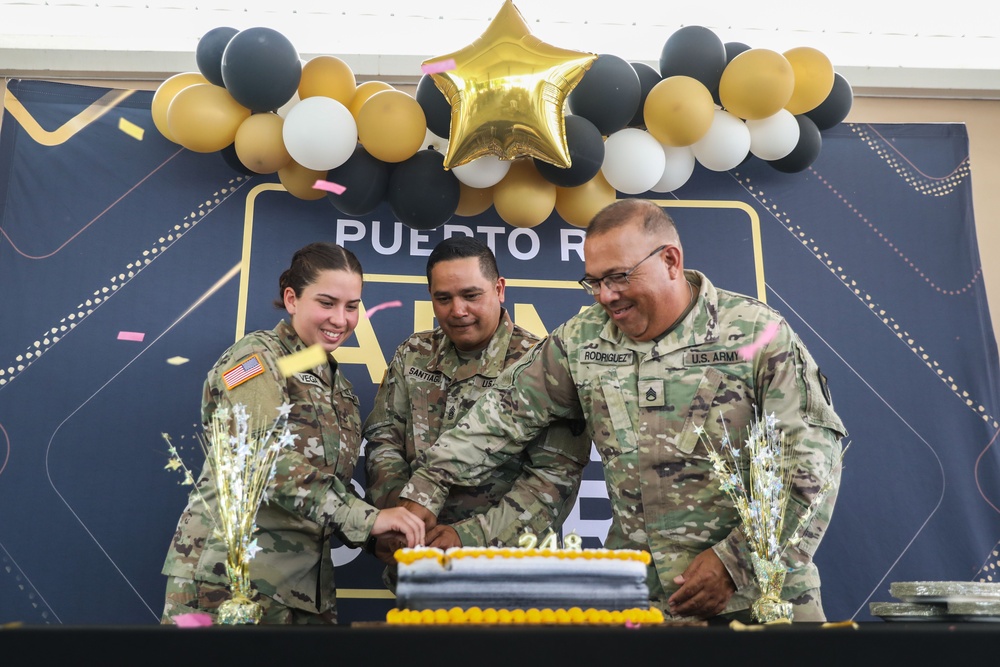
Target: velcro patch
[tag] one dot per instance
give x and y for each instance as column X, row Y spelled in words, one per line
column 246, row 369
column 651, row 393
column 610, row 358
column 309, row 378
column 425, row 376
column 711, row 357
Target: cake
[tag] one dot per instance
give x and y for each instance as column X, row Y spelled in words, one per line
column 522, row 585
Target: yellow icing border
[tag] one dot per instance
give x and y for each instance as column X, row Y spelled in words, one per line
column 408, row 556
column 490, row 616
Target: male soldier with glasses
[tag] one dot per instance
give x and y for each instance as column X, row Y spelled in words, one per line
column 648, row 366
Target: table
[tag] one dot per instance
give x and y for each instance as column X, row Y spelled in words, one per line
column 872, row 643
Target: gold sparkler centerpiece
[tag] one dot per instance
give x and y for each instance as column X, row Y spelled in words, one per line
column 758, row 479
column 241, row 454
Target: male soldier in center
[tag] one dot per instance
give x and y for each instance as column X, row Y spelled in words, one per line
column 432, row 381
column 662, row 360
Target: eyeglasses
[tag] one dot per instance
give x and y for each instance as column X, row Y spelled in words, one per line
column 616, row 282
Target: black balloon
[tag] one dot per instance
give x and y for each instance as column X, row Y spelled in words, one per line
column 806, row 150
column 233, row 160
column 421, row 193
column 208, row 53
column 261, row 69
column 365, row 180
column 734, row 49
column 437, row 111
column 607, row 95
column 696, row 52
column 586, row 154
column 648, row 77
column 835, row 107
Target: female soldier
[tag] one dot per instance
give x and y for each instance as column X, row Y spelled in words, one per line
column 292, row 574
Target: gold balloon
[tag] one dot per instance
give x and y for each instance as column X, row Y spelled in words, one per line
column 678, row 110
column 473, row 201
column 364, row 93
column 392, row 126
column 756, row 84
column 259, row 144
column 204, row 118
column 524, row 198
column 507, row 92
column 299, row 181
column 579, row 205
column 328, row 76
column 813, row 79
column 165, row 94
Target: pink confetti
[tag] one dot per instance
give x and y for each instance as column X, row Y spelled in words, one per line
column 387, row 304
column 765, row 337
column 434, row 68
column 630, row 624
column 193, row 620
column 329, row 187
column 131, row 335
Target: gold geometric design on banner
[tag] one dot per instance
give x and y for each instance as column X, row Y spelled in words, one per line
column 106, row 103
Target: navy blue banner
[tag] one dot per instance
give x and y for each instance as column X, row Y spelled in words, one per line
column 129, row 264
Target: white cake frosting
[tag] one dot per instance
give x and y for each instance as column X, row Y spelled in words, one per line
column 511, row 578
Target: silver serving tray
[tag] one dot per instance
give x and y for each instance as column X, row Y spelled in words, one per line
column 944, row 592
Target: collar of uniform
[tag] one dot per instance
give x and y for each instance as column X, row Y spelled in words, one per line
column 491, row 360
column 699, row 327
column 291, row 342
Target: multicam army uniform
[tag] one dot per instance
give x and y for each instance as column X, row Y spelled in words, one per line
column 643, row 402
column 427, row 388
column 293, row 570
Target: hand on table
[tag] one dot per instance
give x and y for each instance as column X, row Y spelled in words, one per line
column 705, row 587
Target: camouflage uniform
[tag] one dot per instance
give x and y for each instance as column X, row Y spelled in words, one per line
column 643, row 402
column 427, row 388
column 293, row 568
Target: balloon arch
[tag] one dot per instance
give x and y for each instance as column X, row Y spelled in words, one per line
column 559, row 130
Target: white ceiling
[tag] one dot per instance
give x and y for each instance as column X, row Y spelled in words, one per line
column 919, row 48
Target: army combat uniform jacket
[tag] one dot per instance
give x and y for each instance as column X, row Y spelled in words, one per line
column 427, row 388
column 294, row 565
column 643, row 403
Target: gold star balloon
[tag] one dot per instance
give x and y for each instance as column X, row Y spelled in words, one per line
column 507, row 91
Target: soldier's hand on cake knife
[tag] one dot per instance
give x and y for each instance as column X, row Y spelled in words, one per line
column 429, row 519
column 397, row 519
column 443, row 537
column 386, row 546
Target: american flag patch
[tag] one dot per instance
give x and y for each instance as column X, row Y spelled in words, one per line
column 247, row 369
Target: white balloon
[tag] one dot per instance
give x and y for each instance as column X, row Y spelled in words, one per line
column 483, row 172
column 774, row 137
column 320, row 133
column 677, row 169
column 725, row 145
column 633, row 160
column 434, row 142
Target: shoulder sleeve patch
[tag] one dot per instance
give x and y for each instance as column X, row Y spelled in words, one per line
column 250, row 367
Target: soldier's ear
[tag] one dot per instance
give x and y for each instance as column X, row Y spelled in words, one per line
column 674, row 260
column 290, row 300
